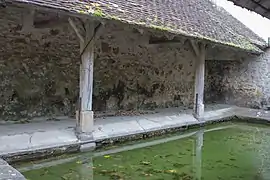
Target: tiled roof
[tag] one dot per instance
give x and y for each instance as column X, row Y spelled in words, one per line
column 193, row 18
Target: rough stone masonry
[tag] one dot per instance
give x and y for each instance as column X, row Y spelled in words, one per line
column 39, row 72
column 244, row 82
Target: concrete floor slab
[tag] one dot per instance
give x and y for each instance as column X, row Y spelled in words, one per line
column 14, row 142
column 65, row 136
column 119, row 129
column 149, row 125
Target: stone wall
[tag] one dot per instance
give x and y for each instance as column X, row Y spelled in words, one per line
column 130, row 74
column 39, row 70
column 243, row 82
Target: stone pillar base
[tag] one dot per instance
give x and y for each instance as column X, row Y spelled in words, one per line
column 85, row 125
column 85, row 136
column 88, row 147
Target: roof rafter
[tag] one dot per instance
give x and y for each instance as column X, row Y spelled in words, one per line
column 192, row 18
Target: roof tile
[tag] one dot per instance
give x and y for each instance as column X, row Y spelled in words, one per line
column 194, row 18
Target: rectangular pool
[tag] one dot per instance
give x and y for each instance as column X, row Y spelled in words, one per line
column 224, row 152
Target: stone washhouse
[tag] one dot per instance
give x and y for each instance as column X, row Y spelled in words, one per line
column 75, row 58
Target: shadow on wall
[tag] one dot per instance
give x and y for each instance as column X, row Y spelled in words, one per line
column 241, row 82
column 213, row 82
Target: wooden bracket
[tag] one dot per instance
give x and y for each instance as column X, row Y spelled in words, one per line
column 96, row 31
column 195, row 48
column 169, row 36
column 83, row 36
column 77, row 31
column 198, row 48
column 165, row 40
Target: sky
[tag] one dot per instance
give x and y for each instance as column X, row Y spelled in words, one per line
column 254, row 21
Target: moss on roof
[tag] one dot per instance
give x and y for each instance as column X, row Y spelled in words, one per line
column 191, row 18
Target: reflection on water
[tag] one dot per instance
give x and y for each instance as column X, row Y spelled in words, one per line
column 198, row 155
column 86, row 168
column 233, row 152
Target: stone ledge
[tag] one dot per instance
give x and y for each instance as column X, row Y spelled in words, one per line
column 7, row 172
column 141, row 127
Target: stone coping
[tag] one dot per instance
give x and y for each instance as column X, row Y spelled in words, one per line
column 7, row 172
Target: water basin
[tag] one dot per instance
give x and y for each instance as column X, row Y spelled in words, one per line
column 224, row 152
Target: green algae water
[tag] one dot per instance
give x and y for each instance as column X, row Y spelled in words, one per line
column 237, row 151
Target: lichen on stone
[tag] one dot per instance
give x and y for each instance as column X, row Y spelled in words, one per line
column 97, row 10
column 98, row 13
column 162, row 28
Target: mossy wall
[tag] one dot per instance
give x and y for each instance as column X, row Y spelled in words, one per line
column 244, row 82
column 39, row 70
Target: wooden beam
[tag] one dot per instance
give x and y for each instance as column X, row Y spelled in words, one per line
column 77, row 31
column 195, row 48
column 153, row 41
column 98, row 29
column 169, row 36
column 57, row 10
column 29, row 22
column 90, row 39
column 165, row 40
column 82, row 39
column 50, row 23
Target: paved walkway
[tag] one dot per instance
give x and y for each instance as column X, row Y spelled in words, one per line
column 21, row 138
column 9, row 173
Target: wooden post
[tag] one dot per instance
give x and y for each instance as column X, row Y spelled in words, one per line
column 200, row 53
column 84, row 114
column 86, row 83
